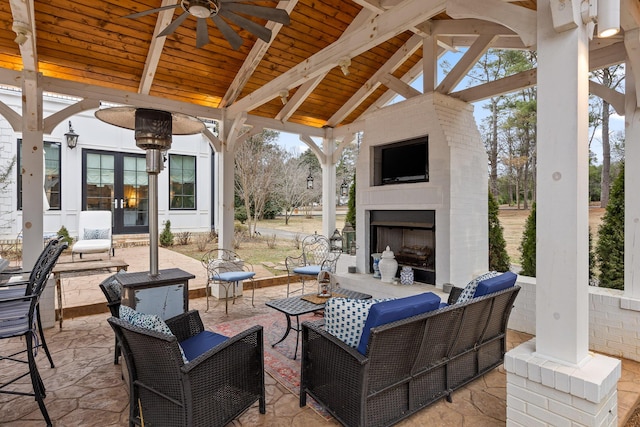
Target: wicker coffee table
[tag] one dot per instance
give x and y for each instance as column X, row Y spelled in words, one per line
column 297, row 306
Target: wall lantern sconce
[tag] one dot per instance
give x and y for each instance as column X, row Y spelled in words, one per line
column 309, row 182
column 344, row 188
column 71, row 137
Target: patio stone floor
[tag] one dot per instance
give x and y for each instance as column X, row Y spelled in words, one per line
column 86, row 388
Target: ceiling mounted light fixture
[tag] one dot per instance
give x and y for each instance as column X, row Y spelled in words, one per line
column 284, row 96
column 608, row 18
column 344, row 64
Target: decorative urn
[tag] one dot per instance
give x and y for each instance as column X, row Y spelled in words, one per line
column 406, row 275
column 376, row 260
column 388, row 266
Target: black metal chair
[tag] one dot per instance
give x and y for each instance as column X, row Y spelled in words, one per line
column 210, row 390
column 316, row 256
column 112, row 290
column 18, row 318
column 21, row 287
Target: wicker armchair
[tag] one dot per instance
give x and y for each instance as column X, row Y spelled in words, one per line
column 210, row 390
column 112, row 291
column 316, row 256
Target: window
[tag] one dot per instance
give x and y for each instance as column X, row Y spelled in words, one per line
column 182, row 182
column 51, row 174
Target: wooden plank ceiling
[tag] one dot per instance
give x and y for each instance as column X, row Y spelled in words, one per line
column 92, row 43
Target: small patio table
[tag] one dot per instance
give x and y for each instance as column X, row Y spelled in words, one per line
column 297, row 306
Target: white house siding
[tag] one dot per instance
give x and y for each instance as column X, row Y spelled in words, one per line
column 97, row 135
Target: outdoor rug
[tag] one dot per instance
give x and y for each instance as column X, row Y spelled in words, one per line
column 278, row 360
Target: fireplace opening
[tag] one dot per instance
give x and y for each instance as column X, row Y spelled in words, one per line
column 412, row 238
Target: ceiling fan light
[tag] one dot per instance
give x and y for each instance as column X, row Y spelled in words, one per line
column 199, row 11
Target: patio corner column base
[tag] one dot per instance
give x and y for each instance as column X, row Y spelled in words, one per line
column 544, row 392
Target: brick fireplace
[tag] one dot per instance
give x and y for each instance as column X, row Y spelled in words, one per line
column 449, row 207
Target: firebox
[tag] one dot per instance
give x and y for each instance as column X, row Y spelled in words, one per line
column 411, row 235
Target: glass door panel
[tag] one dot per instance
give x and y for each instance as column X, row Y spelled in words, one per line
column 99, row 183
column 136, row 192
column 118, row 182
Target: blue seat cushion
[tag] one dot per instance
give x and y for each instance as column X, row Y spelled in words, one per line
column 198, row 344
column 233, row 276
column 398, row 309
column 308, row 270
column 495, row 284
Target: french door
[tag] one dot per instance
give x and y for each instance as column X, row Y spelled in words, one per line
column 117, row 182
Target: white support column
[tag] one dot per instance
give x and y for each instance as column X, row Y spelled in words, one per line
column 553, row 379
column 562, row 229
column 631, row 198
column 328, row 187
column 32, row 169
column 225, row 197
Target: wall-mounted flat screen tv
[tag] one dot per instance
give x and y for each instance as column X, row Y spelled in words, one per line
column 402, row 162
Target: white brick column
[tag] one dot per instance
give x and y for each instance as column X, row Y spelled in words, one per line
column 553, row 379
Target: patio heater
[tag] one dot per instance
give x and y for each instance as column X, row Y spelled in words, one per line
column 153, row 132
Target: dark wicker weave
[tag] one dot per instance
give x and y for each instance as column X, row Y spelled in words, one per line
column 113, row 302
column 409, row 364
column 210, row 390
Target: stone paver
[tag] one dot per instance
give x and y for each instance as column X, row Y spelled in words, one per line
column 85, row 388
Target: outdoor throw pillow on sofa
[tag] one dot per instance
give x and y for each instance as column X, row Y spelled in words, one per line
column 470, row 290
column 397, row 309
column 344, row 318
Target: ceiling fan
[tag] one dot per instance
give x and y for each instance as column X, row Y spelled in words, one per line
column 216, row 10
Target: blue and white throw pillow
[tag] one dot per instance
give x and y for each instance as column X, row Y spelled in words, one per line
column 96, row 233
column 344, row 318
column 148, row 321
column 470, row 290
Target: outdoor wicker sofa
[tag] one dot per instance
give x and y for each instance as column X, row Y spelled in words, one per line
column 212, row 389
column 408, row 364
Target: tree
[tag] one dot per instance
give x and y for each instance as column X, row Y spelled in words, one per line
column 6, row 172
column 610, row 77
column 350, row 217
column 166, row 237
column 498, row 257
column 610, row 247
column 292, row 186
column 528, row 245
column 258, row 162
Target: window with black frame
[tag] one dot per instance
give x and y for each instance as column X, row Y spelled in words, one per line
column 52, row 178
column 182, row 182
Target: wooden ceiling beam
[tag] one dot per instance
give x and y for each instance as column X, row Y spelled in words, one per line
column 254, row 57
column 521, row 20
column 307, row 88
column 385, row 26
column 372, row 84
column 465, row 63
column 156, row 47
column 24, row 26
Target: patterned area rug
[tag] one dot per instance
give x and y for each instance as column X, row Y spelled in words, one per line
column 278, row 360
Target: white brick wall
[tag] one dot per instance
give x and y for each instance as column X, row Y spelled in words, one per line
column 541, row 392
column 614, row 321
column 457, row 181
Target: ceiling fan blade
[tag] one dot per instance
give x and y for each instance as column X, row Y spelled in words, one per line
column 232, row 37
column 202, row 33
column 268, row 13
column 175, row 24
column 150, row 11
column 255, row 29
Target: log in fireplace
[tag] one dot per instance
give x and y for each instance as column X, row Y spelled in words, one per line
column 410, row 234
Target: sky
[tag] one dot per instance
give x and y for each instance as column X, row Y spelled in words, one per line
column 292, row 142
